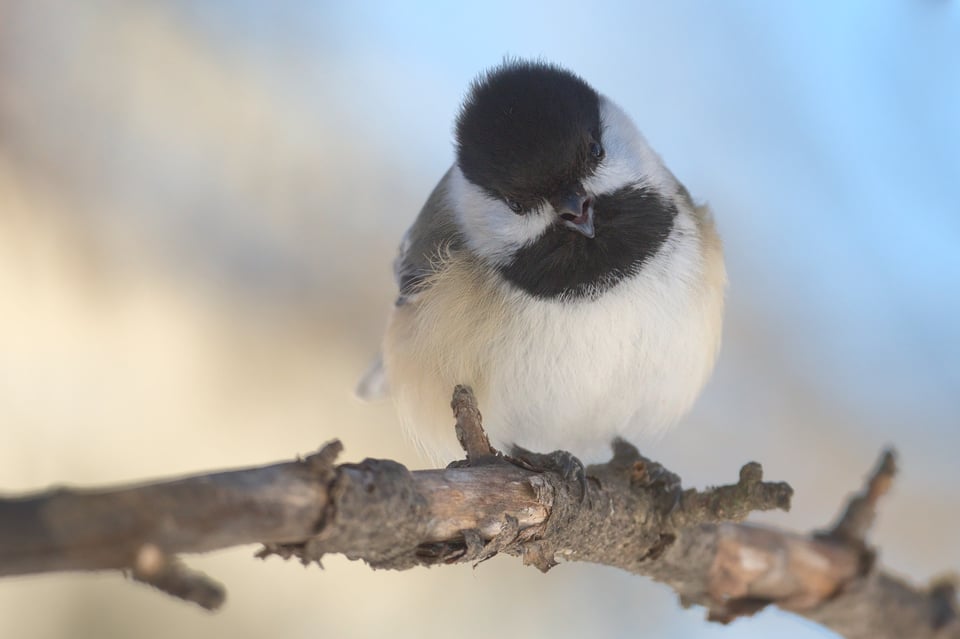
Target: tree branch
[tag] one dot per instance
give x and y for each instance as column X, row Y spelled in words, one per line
column 633, row 516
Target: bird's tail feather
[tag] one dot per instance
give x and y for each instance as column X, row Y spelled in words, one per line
column 373, row 384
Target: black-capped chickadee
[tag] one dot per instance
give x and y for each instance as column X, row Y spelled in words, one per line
column 559, row 269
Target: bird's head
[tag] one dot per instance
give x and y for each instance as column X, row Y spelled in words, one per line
column 554, row 185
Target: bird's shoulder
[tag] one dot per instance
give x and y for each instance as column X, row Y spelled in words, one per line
column 433, row 233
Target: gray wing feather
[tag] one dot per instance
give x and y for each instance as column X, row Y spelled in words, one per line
column 434, row 230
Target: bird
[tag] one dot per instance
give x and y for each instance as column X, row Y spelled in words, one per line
column 559, row 269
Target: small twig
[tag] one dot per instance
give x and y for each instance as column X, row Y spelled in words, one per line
column 469, row 426
column 734, row 503
column 168, row 574
column 861, row 510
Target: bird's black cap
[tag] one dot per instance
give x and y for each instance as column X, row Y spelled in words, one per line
column 525, row 130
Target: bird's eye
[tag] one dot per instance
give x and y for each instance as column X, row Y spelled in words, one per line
column 515, row 206
column 596, row 151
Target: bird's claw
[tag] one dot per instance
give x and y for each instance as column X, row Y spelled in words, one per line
column 561, row 462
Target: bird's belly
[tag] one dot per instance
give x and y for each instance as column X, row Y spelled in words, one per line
column 588, row 372
column 549, row 374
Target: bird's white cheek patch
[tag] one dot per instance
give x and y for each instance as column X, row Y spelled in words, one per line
column 489, row 227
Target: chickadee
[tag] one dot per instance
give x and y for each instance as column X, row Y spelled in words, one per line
column 558, row 268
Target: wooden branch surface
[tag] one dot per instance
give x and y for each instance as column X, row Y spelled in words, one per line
column 633, row 516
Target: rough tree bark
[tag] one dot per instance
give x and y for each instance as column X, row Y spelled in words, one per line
column 630, row 513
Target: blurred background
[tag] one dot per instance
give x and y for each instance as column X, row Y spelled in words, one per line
column 200, row 202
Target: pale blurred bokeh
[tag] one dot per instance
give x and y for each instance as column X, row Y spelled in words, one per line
column 199, row 203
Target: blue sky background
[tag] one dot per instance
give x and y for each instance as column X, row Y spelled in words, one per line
column 199, row 203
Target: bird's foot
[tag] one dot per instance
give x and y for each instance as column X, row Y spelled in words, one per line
column 495, row 457
column 559, row 461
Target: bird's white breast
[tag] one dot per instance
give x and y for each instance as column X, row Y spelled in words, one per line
column 560, row 374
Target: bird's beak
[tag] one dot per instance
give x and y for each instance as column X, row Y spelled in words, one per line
column 576, row 211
